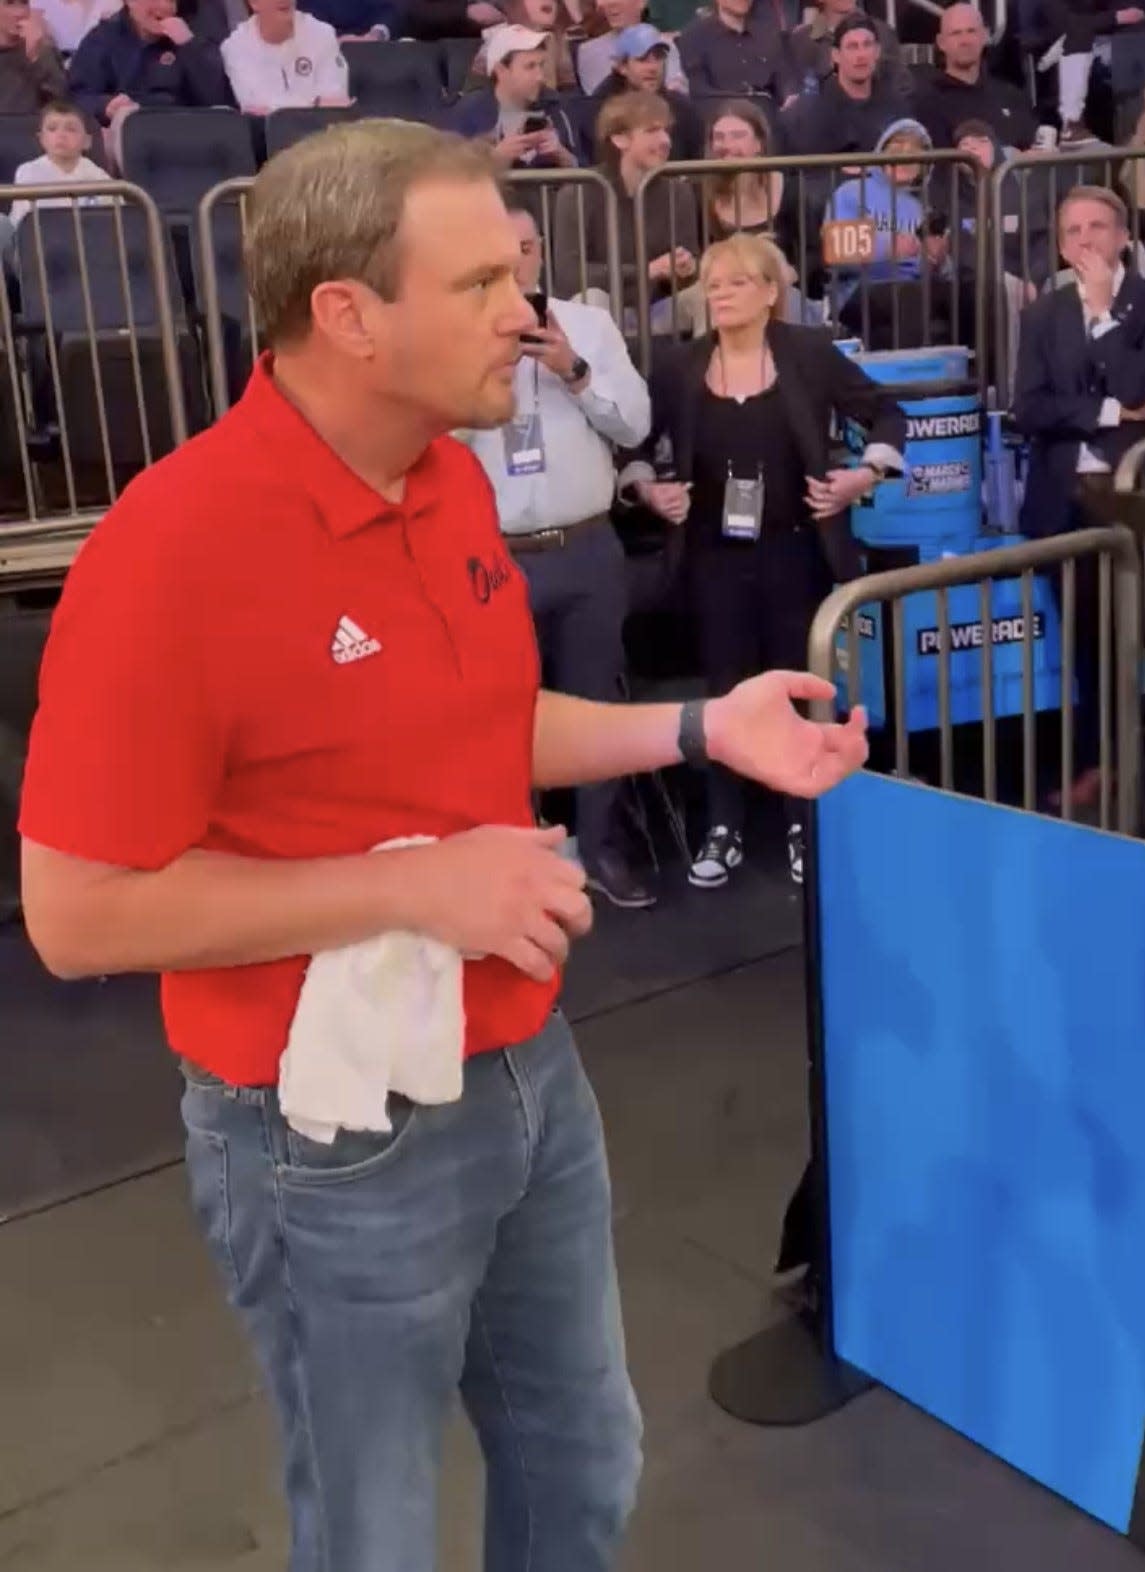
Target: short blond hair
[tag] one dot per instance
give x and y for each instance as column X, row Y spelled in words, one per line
column 628, row 112
column 330, row 207
column 756, row 255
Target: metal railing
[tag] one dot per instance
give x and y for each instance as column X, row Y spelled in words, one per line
column 91, row 385
column 947, row 267
column 557, row 198
column 1025, row 195
column 1118, row 657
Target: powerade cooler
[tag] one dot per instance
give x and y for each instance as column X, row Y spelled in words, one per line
column 935, row 511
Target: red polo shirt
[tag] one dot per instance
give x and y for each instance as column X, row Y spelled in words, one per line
column 255, row 653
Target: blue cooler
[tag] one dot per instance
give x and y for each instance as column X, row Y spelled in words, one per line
column 937, row 504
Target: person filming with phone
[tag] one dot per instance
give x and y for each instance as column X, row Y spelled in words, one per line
column 552, row 470
column 525, row 123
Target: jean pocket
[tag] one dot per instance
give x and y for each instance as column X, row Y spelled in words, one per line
column 352, row 1154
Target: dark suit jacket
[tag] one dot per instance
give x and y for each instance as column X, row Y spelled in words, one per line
column 815, row 382
column 1063, row 377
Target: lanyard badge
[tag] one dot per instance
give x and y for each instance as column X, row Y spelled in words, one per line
column 524, row 439
column 743, row 508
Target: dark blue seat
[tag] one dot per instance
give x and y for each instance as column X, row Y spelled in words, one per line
column 286, row 126
column 400, row 81
column 177, row 155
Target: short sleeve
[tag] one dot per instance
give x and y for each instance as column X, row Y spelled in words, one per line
column 127, row 748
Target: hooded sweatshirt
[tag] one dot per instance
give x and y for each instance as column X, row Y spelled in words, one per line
column 893, row 208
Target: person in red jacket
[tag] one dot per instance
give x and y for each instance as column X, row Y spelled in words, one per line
column 296, row 638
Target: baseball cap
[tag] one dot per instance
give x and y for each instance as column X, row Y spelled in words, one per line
column 511, row 39
column 636, row 42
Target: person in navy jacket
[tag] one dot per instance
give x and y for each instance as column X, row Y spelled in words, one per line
column 145, row 56
column 526, row 125
column 1079, row 397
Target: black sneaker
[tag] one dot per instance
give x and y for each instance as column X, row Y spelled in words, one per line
column 795, row 853
column 720, row 855
column 611, row 877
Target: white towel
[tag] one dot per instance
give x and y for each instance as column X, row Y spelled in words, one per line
column 382, row 1016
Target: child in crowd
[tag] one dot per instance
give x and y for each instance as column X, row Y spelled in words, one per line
column 65, row 139
column 873, row 225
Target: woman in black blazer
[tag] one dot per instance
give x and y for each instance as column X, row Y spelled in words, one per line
column 748, row 415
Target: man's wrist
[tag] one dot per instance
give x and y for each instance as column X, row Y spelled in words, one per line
column 576, row 379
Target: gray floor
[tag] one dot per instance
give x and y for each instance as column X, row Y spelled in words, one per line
column 132, row 1436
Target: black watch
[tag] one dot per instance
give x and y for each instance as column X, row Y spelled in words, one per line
column 691, row 741
column 580, row 370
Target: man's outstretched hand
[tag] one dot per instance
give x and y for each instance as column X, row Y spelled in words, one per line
column 756, row 731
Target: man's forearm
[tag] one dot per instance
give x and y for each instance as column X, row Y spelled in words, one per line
column 210, row 909
column 576, row 742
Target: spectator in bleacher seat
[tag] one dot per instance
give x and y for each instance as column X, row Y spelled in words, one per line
column 527, row 127
column 851, row 111
column 549, row 18
column 964, row 89
column 1080, row 398
column 31, row 71
column 551, row 468
column 749, row 202
column 747, row 414
column 65, row 140
column 641, row 66
column 594, row 57
column 1076, row 26
column 873, row 227
column 811, row 44
column 738, row 48
column 283, row 58
column 633, row 138
column 145, row 57
column 1027, row 220
column 70, row 21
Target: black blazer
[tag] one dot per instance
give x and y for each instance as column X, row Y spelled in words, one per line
column 815, row 382
column 1063, row 376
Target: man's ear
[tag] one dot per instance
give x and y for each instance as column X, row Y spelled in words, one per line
column 340, row 311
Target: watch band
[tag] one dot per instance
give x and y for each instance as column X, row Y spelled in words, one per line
column 691, row 741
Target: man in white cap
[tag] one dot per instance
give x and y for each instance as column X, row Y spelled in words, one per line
column 526, row 125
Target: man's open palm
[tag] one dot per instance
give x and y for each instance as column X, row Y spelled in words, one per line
column 756, row 731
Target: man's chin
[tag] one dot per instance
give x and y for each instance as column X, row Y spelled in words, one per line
column 497, row 407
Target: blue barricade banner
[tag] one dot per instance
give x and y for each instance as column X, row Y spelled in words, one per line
column 983, row 993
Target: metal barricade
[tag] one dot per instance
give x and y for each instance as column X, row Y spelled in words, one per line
column 1118, row 657
column 1025, row 194
column 834, row 254
column 556, row 197
column 92, row 387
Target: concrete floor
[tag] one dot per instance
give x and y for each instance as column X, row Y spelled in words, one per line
column 133, row 1437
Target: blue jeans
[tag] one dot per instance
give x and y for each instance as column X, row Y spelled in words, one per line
column 469, row 1249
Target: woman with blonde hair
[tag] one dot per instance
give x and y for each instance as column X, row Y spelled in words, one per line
column 747, row 412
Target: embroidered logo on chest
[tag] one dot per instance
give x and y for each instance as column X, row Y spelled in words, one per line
column 351, row 643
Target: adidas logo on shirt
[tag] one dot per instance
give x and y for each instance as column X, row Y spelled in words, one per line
column 351, row 643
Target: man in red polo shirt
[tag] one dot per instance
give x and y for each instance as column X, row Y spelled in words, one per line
column 297, row 637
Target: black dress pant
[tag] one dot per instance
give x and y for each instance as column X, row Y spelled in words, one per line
column 753, row 603
column 578, row 596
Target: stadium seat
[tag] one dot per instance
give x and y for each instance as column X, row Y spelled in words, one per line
column 456, row 56
column 287, row 126
column 17, row 144
column 234, row 310
column 90, row 301
column 13, row 491
column 177, row 155
column 402, row 80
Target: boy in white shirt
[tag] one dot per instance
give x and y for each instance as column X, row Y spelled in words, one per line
column 64, row 137
column 283, row 58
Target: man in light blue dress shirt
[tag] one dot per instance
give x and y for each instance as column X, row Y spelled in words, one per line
column 578, row 396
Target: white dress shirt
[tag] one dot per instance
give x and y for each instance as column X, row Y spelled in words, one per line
column 578, row 480
column 292, row 75
column 1089, row 462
